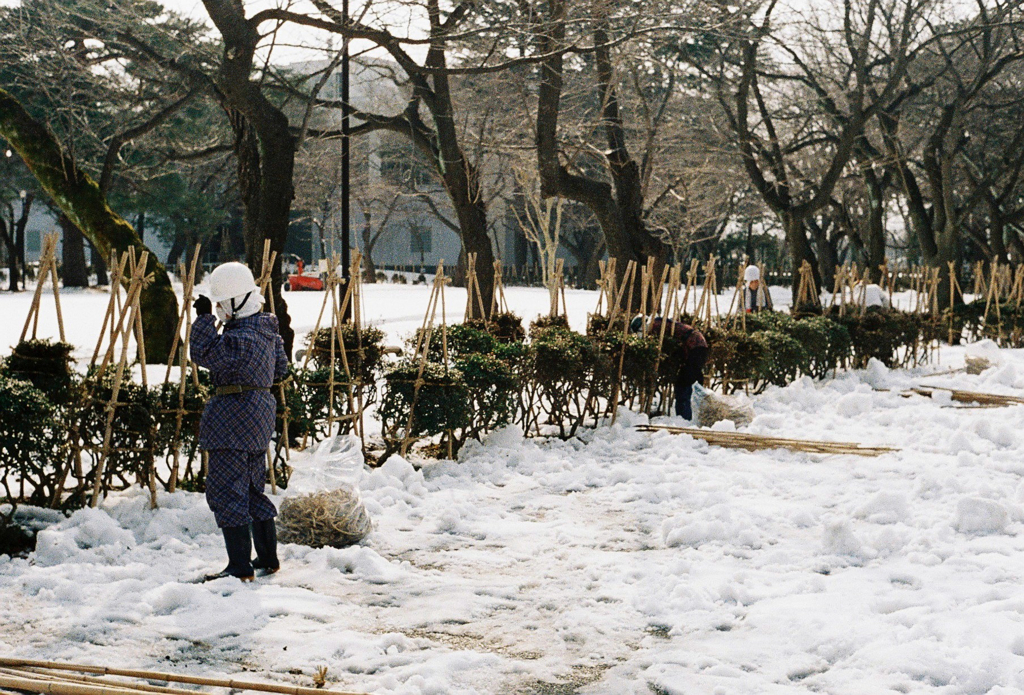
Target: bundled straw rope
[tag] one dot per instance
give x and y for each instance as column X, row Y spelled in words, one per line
column 336, row 518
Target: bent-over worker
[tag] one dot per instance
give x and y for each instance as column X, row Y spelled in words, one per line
column 691, row 349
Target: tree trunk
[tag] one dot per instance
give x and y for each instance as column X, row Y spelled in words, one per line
column 473, row 222
column 945, row 251
column 80, row 199
column 177, row 250
column 369, row 269
column 799, row 250
column 10, row 242
column 828, row 259
column 99, row 266
column 618, row 207
column 265, row 166
column 74, row 274
column 875, row 228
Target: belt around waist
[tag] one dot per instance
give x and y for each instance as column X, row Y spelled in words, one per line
column 233, row 389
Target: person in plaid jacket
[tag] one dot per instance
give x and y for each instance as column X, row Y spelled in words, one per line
column 692, row 350
column 244, row 360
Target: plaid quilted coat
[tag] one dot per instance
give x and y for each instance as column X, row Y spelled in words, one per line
column 686, row 337
column 249, row 352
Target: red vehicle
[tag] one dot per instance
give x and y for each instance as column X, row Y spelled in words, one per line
column 300, row 280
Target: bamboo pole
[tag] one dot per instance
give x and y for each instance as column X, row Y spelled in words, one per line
column 188, row 286
column 629, row 279
column 165, row 677
column 756, row 442
column 130, row 305
column 691, row 284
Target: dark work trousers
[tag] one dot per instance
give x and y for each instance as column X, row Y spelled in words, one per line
column 234, row 487
column 689, row 374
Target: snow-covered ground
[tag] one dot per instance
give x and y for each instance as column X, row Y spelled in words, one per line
column 616, row 562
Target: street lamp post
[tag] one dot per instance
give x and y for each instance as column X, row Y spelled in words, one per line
column 346, row 232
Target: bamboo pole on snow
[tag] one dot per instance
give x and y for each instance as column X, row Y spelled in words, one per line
column 166, row 678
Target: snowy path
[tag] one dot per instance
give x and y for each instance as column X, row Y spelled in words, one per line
column 619, row 562
column 623, row 563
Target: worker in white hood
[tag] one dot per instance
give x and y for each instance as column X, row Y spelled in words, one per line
column 755, row 293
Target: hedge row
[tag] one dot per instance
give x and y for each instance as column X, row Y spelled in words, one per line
column 551, row 382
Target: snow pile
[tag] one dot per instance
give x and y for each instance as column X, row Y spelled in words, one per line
column 616, row 562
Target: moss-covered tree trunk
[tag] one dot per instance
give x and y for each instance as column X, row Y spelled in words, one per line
column 79, row 197
column 73, row 270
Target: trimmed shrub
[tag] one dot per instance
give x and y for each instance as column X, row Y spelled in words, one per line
column 133, row 433
column 826, row 343
column 493, row 388
column 442, row 403
column 542, row 323
column 507, row 327
column 881, row 335
column 32, row 440
column 640, row 363
column 47, row 366
column 565, row 371
column 734, row 358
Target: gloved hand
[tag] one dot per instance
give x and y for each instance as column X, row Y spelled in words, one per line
column 202, row 305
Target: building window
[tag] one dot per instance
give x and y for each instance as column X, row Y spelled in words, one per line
column 420, row 239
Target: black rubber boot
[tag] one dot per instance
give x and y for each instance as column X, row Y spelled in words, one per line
column 238, row 541
column 264, row 539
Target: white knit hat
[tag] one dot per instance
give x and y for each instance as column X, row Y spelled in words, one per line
column 752, row 273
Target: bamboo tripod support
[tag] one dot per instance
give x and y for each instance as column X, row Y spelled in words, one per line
column 606, row 288
column 628, row 282
column 474, row 297
column 807, row 290
column 737, row 302
column 340, row 308
column 47, row 270
column 75, row 457
column 498, row 303
column 130, row 310
column 556, row 289
column 31, row 682
column 264, row 283
column 671, row 297
column 707, row 306
column 954, row 287
column 691, row 287
column 184, row 361
column 422, row 352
